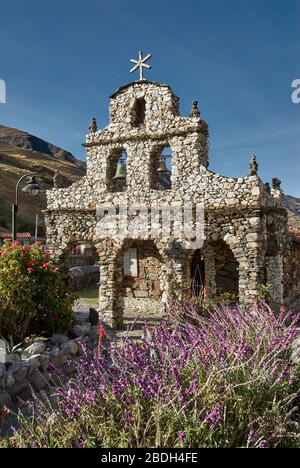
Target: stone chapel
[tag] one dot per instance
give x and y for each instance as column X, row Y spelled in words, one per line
column 149, row 154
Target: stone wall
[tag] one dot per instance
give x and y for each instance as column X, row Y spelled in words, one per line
column 147, row 284
column 292, row 276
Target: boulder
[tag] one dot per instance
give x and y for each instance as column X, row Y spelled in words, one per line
column 81, row 330
column 58, row 339
column 5, row 399
column 38, row 347
column 70, row 347
column 39, row 380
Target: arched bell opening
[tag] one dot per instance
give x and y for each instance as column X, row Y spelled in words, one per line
column 161, row 168
column 117, row 172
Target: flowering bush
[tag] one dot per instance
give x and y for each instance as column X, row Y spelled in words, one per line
column 225, row 381
column 33, row 295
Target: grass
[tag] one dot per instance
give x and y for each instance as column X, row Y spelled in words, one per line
column 91, row 293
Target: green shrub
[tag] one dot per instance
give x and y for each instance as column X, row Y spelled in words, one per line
column 33, row 292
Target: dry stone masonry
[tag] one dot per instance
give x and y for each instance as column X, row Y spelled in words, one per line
column 245, row 223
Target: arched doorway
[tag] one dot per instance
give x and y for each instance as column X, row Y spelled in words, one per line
column 140, row 280
column 227, row 270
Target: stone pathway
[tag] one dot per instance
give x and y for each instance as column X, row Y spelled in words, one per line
column 133, row 323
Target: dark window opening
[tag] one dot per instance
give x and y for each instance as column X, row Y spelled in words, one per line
column 139, row 111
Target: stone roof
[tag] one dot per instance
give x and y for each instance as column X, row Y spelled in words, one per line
column 156, row 83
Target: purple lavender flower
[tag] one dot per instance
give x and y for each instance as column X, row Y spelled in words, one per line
column 214, row 418
column 181, row 436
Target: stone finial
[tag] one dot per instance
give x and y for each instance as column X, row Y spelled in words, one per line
column 194, row 111
column 276, row 183
column 93, row 125
column 268, row 188
column 57, row 180
column 253, row 166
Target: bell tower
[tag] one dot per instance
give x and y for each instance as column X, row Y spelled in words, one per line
column 145, row 136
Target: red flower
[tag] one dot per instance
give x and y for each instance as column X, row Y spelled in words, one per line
column 30, row 264
column 25, row 247
column 30, row 269
column 101, row 332
column 46, row 265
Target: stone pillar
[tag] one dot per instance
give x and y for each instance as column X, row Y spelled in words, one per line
column 210, row 272
column 174, row 268
column 274, row 277
column 109, row 308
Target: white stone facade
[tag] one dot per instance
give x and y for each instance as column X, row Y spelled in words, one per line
column 241, row 214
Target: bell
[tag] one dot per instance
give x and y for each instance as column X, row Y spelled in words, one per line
column 162, row 166
column 121, row 171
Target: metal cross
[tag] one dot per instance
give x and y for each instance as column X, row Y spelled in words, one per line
column 140, row 63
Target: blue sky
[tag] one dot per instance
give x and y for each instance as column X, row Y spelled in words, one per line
column 61, row 59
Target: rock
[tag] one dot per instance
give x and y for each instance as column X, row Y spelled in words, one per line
column 2, row 370
column 20, row 371
column 11, row 358
column 82, row 330
column 44, row 360
column 38, row 347
column 58, row 358
column 70, row 347
column 93, row 316
column 296, row 351
column 9, row 379
column 33, row 364
column 22, row 390
column 5, row 399
column 39, row 380
column 58, row 339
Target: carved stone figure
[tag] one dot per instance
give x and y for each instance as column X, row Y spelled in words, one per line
column 93, row 125
column 195, row 111
column 253, row 166
column 276, row 183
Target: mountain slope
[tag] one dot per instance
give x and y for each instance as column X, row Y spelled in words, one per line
column 20, row 153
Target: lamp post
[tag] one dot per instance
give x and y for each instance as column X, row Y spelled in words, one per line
column 33, row 188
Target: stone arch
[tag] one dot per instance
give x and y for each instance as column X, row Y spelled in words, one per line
column 226, row 269
column 160, row 167
column 145, row 289
column 116, row 162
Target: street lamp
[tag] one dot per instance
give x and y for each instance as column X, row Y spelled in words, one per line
column 33, row 188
